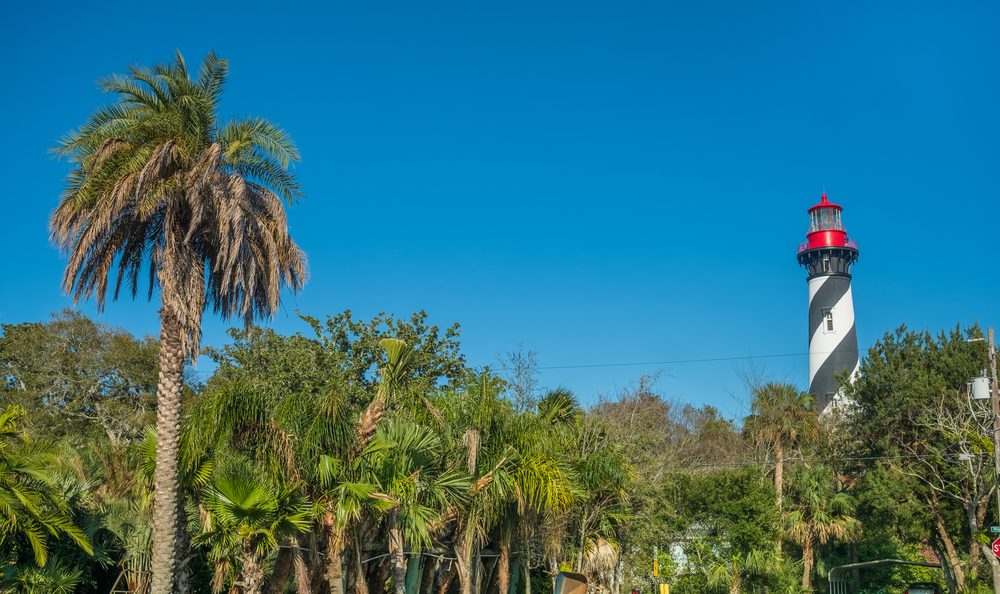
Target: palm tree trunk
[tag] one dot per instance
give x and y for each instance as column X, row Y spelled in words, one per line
column 477, row 572
column 583, row 547
column 334, row 562
column 807, row 563
column 168, row 429
column 396, row 557
column 252, row 574
column 463, row 553
column 282, row 568
column 779, row 470
column 430, row 572
column 356, row 583
column 779, row 475
column 527, row 575
column 503, row 566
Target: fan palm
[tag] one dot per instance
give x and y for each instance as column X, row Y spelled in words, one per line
column 732, row 573
column 55, row 578
column 247, row 521
column 820, row 514
column 603, row 477
column 159, row 182
column 514, row 475
column 408, row 462
column 782, row 417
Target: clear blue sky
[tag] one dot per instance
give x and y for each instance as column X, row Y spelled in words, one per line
column 608, row 182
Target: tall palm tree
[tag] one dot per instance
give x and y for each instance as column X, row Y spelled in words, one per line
column 820, row 514
column 781, row 417
column 159, row 182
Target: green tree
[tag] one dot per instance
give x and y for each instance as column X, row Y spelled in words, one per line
column 409, row 464
column 72, row 374
column 733, row 573
column 512, row 472
column 160, row 183
column 913, row 419
column 780, row 418
column 819, row 514
column 55, row 578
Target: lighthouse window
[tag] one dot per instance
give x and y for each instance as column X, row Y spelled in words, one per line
column 825, row 218
column 828, row 314
column 826, row 264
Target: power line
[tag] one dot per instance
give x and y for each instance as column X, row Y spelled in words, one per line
column 681, row 361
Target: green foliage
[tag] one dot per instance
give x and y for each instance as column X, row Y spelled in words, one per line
column 926, row 473
column 32, row 508
column 905, row 374
column 318, row 443
column 74, row 375
column 344, row 355
column 55, row 578
column 740, row 514
column 358, row 349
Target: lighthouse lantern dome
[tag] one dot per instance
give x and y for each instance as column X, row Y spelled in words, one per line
column 825, row 226
column 825, row 216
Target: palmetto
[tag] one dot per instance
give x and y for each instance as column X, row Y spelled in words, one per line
column 247, row 521
column 161, row 187
column 731, row 573
column 820, row 514
column 515, row 475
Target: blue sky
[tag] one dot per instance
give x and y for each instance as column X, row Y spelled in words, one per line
column 616, row 182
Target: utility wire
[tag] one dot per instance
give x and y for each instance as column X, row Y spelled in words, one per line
column 680, row 361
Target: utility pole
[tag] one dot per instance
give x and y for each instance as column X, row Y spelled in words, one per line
column 995, row 402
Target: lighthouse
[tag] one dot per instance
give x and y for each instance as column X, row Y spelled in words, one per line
column 827, row 255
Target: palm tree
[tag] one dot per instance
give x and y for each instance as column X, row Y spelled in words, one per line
column 514, row 475
column 54, row 578
column 781, row 417
column 408, row 463
column 819, row 515
column 247, row 521
column 732, row 573
column 31, row 509
column 159, row 182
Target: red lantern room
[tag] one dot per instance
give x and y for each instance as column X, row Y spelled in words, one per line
column 825, row 227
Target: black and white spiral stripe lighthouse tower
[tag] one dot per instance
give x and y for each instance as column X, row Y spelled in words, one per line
column 828, row 255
